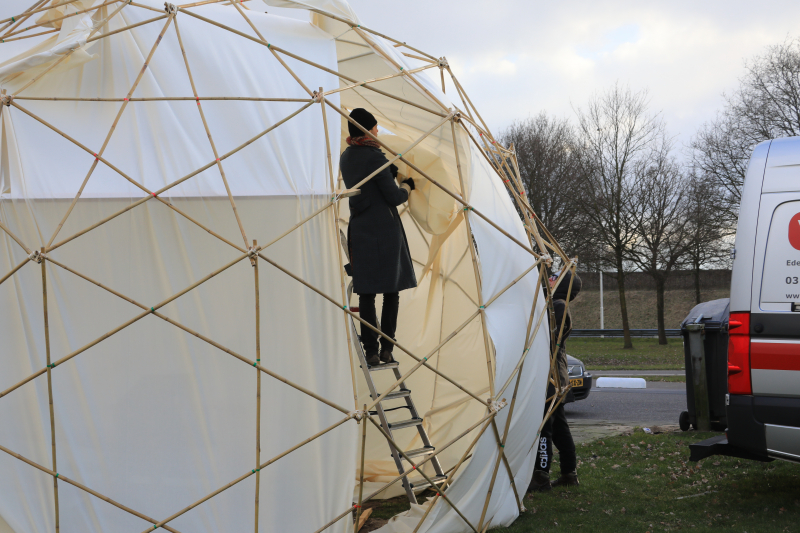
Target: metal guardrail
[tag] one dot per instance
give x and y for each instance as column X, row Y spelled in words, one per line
column 618, row 333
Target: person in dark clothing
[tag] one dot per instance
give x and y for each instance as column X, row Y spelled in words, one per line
column 380, row 262
column 556, row 429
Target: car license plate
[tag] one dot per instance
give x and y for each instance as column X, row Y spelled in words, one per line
column 576, row 382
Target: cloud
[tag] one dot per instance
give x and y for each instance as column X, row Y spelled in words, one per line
column 518, row 57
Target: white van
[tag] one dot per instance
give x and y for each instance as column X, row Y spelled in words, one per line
column 763, row 402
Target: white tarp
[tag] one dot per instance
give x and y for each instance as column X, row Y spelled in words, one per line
column 154, row 417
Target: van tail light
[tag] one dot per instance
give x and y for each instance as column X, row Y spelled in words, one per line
column 739, row 354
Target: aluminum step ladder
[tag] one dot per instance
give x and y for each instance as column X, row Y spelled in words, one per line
column 414, row 420
column 403, row 393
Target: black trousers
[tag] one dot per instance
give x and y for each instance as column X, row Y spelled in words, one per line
column 556, row 431
column 366, row 304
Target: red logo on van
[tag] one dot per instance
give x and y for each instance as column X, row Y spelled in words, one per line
column 794, row 231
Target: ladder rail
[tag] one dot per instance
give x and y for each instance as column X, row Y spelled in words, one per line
column 381, row 414
column 415, row 420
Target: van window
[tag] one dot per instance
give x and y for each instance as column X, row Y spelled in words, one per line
column 781, row 278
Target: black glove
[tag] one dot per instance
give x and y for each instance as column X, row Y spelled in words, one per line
column 410, row 183
column 393, row 169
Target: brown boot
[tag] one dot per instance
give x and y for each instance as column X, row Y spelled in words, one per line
column 570, row 479
column 386, row 356
column 373, row 360
column 540, row 481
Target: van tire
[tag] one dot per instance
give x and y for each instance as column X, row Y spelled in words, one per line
column 683, row 421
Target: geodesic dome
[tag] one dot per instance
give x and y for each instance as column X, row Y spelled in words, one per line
column 178, row 348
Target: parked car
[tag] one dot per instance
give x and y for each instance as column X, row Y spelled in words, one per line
column 579, row 378
column 763, row 401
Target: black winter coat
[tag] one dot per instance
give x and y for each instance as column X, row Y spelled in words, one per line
column 563, row 314
column 379, row 258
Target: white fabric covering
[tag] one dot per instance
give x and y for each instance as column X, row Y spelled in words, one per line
column 155, row 418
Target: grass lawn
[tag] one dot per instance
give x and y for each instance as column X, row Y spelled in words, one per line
column 669, row 379
column 608, row 354
column 646, row 483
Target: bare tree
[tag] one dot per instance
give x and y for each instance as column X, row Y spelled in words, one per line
column 550, row 166
column 766, row 105
column 662, row 230
column 618, row 135
column 709, row 231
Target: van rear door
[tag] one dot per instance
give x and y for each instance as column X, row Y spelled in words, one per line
column 775, row 303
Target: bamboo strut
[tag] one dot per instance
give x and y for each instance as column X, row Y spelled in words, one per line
column 501, row 457
column 164, row 98
column 559, row 394
column 336, row 244
column 375, row 80
column 530, row 343
column 93, row 8
column 421, row 361
column 143, row 6
column 123, row 326
column 16, row 239
column 113, row 128
column 414, row 467
column 255, row 364
column 502, row 442
column 84, row 488
column 68, row 54
column 210, row 138
column 126, row 28
column 538, row 238
column 361, row 481
column 28, row 36
column 452, row 473
column 439, row 185
column 421, row 463
column 176, row 182
column 258, row 379
column 269, row 47
column 131, row 180
column 26, row 14
column 248, row 474
column 391, row 60
column 14, row 270
column 50, row 387
column 22, row 18
column 464, row 93
column 475, row 268
column 349, row 23
column 30, row 11
column 313, row 64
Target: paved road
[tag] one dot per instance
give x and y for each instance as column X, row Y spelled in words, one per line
column 659, row 404
column 599, row 373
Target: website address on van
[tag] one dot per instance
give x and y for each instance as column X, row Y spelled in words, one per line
column 794, row 297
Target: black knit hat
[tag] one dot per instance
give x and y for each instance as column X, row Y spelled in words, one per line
column 363, row 117
column 563, row 287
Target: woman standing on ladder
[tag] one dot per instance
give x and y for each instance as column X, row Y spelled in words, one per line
column 380, row 262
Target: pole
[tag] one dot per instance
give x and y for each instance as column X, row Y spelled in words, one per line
column 602, row 317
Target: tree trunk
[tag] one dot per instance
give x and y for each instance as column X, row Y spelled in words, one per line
column 623, row 306
column 660, row 283
column 696, row 267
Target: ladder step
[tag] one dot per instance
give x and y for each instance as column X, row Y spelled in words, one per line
column 384, row 366
column 424, row 483
column 405, row 423
column 425, row 450
column 402, row 393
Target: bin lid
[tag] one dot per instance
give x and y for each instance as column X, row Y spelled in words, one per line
column 712, row 314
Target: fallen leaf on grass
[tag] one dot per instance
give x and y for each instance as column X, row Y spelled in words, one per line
column 615, row 467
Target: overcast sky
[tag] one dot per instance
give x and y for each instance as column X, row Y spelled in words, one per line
column 518, row 57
